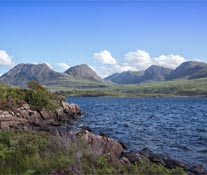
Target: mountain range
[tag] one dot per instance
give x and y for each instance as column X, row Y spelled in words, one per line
column 22, row 73
column 187, row 70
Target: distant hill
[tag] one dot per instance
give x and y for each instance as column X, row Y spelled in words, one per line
column 83, row 71
column 156, row 73
column 189, row 70
column 127, row 77
column 22, row 73
column 153, row 73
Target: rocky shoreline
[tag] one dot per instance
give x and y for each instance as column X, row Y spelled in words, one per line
column 103, row 145
column 25, row 118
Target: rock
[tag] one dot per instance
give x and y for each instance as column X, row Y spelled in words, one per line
column 24, row 117
column 123, row 145
column 46, row 115
column 197, row 170
column 86, row 128
column 124, row 160
column 102, row 145
column 161, row 159
column 72, row 109
column 171, row 163
column 135, row 157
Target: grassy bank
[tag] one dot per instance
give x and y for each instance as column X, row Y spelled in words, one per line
column 41, row 153
column 36, row 96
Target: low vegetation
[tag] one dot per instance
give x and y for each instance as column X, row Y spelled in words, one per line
column 196, row 87
column 41, row 153
column 36, row 96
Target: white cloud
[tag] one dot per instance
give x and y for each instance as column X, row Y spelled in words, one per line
column 5, row 59
column 142, row 60
column 139, row 59
column 63, row 66
column 170, row 61
column 124, row 67
column 105, row 57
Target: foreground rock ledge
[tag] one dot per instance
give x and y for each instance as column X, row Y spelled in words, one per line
column 25, row 118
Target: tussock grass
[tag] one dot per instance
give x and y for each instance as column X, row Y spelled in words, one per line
column 36, row 96
column 41, row 153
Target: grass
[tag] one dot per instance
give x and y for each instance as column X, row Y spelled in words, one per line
column 36, row 96
column 196, row 87
column 40, row 153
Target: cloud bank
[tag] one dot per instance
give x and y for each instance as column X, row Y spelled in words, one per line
column 5, row 59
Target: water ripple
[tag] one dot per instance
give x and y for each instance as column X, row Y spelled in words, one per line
column 173, row 126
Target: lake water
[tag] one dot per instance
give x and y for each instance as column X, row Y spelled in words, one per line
column 171, row 126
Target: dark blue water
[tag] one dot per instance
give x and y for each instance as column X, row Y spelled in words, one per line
column 171, row 126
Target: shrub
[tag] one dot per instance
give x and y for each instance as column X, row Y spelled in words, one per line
column 36, row 96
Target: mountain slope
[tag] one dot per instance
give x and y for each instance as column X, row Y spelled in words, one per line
column 127, row 77
column 22, row 73
column 156, row 73
column 189, row 70
column 153, row 73
column 83, row 71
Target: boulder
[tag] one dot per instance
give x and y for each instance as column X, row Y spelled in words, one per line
column 102, row 145
column 135, row 157
column 71, row 109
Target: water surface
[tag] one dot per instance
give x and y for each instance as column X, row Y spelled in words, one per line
column 172, row 126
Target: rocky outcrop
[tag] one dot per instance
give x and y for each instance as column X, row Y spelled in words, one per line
column 24, row 117
column 102, row 145
column 148, row 156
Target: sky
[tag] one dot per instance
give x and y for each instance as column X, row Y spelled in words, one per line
column 109, row 36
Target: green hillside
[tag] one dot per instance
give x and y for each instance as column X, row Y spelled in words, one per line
column 74, row 87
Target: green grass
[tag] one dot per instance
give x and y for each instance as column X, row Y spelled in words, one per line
column 196, row 87
column 36, row 96
column 40, row 153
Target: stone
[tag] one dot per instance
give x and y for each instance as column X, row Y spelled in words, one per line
column 171, row 163
column 124, row 160
column 101, row 145
column 24, row 116
column 136, row 157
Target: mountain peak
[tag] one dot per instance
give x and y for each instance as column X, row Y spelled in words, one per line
column 189, row 70
column 83, row 71
column 156, row 73
column 22, row 73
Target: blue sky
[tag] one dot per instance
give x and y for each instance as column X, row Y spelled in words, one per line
column 110, row 36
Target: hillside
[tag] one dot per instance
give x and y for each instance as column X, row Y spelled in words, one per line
column 156, row 73
column 127, row 77
column 189, row 70
column 83, row 71
column 153, row 73
column 22, row 73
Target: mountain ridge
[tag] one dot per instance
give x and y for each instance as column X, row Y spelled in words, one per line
column 83, row 76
